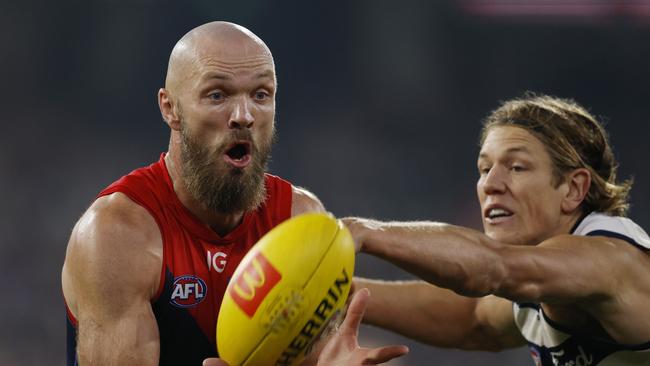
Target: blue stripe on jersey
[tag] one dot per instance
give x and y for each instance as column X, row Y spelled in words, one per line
column 580, row 220
column 181, row 340
column 531, row 305
column 71, row 343
column 615, row 235
column 606, row 340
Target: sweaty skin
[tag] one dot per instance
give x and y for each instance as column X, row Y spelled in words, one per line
column 220, row 81
column 221, row 77
column 526, row 256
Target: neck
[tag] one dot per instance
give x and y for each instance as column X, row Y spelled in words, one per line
column 569, row 222
column 220, row 223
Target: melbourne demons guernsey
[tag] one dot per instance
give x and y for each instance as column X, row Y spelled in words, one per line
column 553, row 344
column 197, row 263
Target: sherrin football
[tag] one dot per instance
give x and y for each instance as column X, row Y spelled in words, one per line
column 285, row 291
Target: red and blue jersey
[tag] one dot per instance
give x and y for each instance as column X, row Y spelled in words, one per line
column 197, row 263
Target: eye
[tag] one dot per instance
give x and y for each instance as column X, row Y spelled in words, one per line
column 484, row 170
column 261, row 95
column 216, row 95
column 517, row 168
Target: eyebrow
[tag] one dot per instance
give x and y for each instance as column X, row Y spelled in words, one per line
column 511, row 150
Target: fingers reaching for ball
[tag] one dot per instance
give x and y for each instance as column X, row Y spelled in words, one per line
column 343, row 348
column 355, row 313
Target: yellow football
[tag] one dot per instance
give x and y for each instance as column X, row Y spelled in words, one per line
column 285, row 291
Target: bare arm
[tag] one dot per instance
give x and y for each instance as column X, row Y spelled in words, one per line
column 562, row 269
column 596, row 274
column 111, row 272
column 440, row 317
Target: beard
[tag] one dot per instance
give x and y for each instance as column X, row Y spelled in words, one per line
column 217, row 185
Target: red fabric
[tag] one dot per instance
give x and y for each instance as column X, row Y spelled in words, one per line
column 187, row 241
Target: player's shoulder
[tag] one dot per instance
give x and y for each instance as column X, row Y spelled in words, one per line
column 115, row 247
column 617, row 227
column 612, row 242
column 304, row 201
column 114, row 224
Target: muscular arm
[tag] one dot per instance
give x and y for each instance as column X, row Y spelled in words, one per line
column 562, row 269
column 440, row 317
column 111, row 272
column 596, row 274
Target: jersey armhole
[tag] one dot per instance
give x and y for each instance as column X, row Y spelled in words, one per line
column 71, row 316
column 282, row 203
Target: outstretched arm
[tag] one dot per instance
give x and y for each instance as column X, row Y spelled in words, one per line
column 602, row 276
column 563, row 269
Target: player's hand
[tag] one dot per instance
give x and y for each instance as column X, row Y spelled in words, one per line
column 343, row 348
column 358, row 228
column 214, row 362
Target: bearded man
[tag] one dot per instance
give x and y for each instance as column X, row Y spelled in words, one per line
column 148, row 263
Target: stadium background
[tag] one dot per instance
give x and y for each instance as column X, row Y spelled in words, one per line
column 379, row 110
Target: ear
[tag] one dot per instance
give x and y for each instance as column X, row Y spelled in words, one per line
column 168, row 110
column 578, row 182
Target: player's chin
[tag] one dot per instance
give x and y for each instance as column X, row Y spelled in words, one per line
column 236, row 172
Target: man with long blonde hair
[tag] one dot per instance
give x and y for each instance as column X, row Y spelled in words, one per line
column 558, row 267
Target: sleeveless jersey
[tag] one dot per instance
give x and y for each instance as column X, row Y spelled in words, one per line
column 553, row 344
column 197, row 263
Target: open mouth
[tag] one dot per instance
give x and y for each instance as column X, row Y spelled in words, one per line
column 239, row 154
column 497, row 214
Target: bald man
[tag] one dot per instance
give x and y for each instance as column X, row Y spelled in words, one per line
column 148, row 262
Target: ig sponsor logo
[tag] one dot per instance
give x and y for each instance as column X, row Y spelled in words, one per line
column 188, row 291
column 217, row 261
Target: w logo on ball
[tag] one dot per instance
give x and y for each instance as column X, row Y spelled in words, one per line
column 253, row 283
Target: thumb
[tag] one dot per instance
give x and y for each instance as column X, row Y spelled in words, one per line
column 384, row 354
column 214, row 362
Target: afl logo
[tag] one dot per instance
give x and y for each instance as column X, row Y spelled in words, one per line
column 188, row 291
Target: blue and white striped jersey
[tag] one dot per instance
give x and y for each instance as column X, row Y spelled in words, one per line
column 551, row 344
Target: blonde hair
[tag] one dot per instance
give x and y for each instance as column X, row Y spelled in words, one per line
column 574, row 139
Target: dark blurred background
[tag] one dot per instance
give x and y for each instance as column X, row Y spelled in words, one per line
column 379, row 109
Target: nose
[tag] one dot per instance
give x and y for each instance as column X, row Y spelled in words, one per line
column 493, row 182
column 241, row 116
